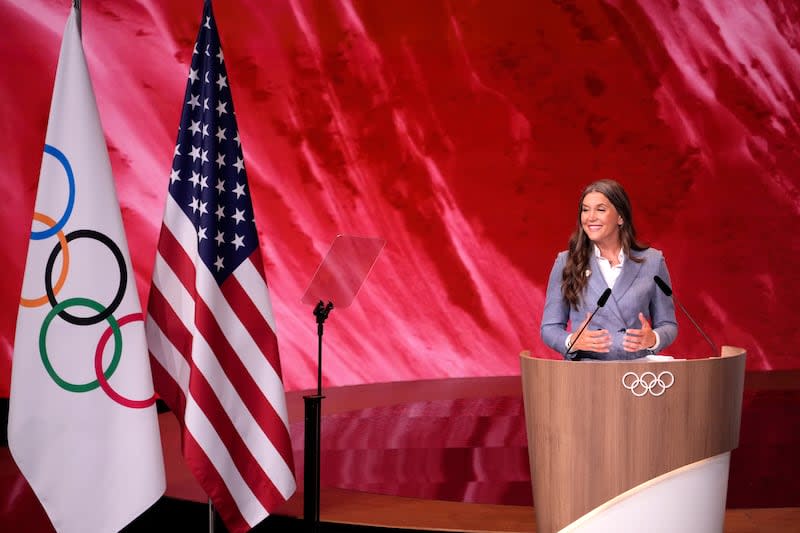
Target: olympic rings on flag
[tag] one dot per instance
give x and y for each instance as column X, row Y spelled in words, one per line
column 123, row 277
column 98, row 367
column 57, row 309
column 648, row 382
column 36, row 302
column 59, row 155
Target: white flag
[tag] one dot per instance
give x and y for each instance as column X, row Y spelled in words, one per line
column 83, row 427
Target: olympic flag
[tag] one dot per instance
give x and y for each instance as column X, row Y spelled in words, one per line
column 210, row 327
column 83, row 427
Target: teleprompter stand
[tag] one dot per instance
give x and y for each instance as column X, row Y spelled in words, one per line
column 336, row 282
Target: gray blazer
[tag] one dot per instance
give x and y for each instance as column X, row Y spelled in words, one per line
column 634, row 291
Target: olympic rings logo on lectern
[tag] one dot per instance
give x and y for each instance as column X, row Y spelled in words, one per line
column 656, row 385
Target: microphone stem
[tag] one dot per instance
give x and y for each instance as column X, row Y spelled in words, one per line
column 697, row 327
column 571, row 344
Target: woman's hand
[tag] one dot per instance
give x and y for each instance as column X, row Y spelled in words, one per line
column 597, row 340
column 639, row 339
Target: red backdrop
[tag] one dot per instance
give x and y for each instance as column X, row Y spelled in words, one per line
column 462, row 133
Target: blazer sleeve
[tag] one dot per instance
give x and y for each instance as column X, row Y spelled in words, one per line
column 556, row 309
column 662, row 310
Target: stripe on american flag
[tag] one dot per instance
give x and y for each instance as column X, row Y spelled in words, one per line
column 225, row 317
column 171, row 325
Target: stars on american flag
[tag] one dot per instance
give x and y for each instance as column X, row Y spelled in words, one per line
column 208, row 179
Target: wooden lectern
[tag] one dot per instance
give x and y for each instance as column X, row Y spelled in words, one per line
column 641, row 444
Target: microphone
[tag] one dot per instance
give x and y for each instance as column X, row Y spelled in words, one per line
column 662, row 285
column 666, row 290
column 600, row 303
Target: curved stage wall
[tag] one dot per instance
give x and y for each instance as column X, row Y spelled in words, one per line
column 462, row 133
column 459, row 440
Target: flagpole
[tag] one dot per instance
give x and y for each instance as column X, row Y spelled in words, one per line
column 77, row 5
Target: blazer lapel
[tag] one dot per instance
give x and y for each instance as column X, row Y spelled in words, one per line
column 630, row 271
column 597, row 283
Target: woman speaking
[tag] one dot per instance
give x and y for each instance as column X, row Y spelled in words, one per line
column 637, row 319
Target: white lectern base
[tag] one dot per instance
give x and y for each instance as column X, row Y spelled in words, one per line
column 690, row 499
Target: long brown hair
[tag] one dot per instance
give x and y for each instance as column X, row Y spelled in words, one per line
column 580, row 246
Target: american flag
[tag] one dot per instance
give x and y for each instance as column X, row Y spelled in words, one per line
column 210, row 327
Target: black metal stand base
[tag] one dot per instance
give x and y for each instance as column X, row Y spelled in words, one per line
column 314, row 431
column 313, row 426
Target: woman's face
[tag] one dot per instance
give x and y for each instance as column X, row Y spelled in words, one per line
column 600, row 219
